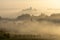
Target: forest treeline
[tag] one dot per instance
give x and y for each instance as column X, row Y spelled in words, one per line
column 42, row 17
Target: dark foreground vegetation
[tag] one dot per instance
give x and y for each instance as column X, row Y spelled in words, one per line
column 7, row 36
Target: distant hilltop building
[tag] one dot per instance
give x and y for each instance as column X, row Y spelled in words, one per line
column 28, row 9
column 31, row 11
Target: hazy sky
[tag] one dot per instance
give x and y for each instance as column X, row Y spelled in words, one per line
column 11, row 7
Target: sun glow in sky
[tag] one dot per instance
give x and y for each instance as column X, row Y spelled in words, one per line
column 11, row 7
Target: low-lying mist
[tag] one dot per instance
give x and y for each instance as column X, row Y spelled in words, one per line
column 30, row 27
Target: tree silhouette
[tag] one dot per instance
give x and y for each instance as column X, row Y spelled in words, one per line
column 23, row 16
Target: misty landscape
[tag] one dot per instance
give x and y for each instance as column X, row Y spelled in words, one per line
column 30, row 27
column 29, row 19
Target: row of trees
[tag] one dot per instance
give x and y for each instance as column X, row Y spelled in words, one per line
column 27, row 16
